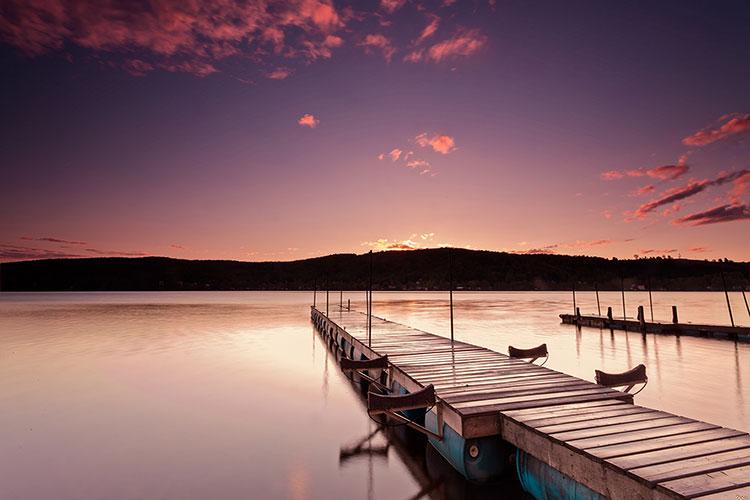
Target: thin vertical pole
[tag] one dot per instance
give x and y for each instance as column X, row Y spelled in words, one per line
column 574, row 298
column 598, row 306
column 650, row 302
column 369, row 315
column 622, row 289
column 726, row 294
column 450, row 286
column 326, row 301
column 744, row 297
column 315, row 292
column 341, row 299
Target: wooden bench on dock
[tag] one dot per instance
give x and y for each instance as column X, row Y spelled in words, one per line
column 590, row 433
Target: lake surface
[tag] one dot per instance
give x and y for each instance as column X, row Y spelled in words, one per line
column 232, row 395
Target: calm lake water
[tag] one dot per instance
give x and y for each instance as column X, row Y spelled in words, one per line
column 232, row 395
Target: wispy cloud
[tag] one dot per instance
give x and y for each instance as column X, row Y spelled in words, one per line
column 440, row 143
column 722, row 213
column 726, row 126
column 414, row 242
column 658, row 251
column 664, row 172
column 190, row 37
column 568, row 246
column 390, row 6
column 49, row 239
column 464, row 43
column 11, row 252
column 682, row 192
column 428, row 30
column 279, row 73
column 308, row 120
column 422, row 166
column 379, row 42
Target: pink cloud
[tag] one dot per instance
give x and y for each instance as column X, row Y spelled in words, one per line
column 643, row 190
column 465, row 43
column 395, row 154
column 391, row 6
column 741, row 186
column 421, row 165
column 308, row 120
column 681, row 192
column 722, row 213
column 733, row 124
column 428, row 30
column 279, row 73
column 440, row 143
column 187, row 37
column 50, row 239
column 380, row 42
column 664, row 172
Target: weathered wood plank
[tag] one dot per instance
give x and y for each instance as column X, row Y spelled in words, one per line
column 681, row 452
column 596, row 421
column 591, row 415
column 619, row 450
column 665, row 422
column 693, row 466
column 712, row 482
column 640, row 435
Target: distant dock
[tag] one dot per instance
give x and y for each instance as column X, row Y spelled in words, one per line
column 494, row 414
column 639, row 324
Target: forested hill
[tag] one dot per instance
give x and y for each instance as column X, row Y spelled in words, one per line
column 408, row 270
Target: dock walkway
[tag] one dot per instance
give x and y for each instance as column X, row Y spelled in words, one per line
column 592, row 434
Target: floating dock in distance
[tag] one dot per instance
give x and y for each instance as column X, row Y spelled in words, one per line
column 734, row 333
column 566, row 432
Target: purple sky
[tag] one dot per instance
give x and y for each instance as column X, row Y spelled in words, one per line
column 283, row 130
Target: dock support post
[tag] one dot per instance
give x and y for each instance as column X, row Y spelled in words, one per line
column 726, row 294
column 574, row 297
column 341, row 300
column 650, row 302
column 369, row 313
column 326, row 302
column 598, row 306
column 675, row 320
column 578, row 314
column 348, row 304
column 641, row 318
column 315, row 292
column 622, row 289
column 450, row 287
column 610, row 316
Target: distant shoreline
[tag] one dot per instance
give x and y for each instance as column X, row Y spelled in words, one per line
column 407, row 271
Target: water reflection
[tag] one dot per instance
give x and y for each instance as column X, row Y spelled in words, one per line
column 225, row 395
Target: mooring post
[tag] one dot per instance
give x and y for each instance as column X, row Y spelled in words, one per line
column 609, row 313
column 315, row 292
column 369, row 314
column 348, row 304
column 675, row 320
column 650, row 302
column 341, row 300
column 641, row 318
column 726, row 294
column 598, row 306
column 450, row 287
column 622, row 289
column 326, row 301
column 578, row 314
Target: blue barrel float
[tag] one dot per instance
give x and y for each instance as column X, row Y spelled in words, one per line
column 544, row 482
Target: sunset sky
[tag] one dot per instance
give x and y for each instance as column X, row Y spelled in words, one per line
column 267, row 130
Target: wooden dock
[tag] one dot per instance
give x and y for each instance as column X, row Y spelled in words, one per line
column 591, row 434
column 734, row 333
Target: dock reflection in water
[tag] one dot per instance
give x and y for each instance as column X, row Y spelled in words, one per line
column 232, row 395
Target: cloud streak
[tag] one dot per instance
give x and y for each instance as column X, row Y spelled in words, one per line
column 682, row 192
column 440, row 143
column 716, row 215
column 727, row 126
column 664, row 172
